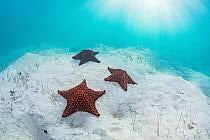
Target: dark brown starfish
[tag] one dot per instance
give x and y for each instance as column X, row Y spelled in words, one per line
column 85, row 56
column 121, row 77
column 80, row 98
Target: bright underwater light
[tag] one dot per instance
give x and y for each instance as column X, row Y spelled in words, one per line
column 150, row 15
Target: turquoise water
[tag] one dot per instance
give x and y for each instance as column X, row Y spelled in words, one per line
column 177, row 33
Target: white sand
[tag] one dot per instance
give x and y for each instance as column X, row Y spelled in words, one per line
column 159, row 107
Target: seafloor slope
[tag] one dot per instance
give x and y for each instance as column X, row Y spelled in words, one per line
column 160, row 107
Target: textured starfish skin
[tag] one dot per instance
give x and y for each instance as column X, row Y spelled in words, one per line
column 85, row 56
column 121, row 77
column 80, row 98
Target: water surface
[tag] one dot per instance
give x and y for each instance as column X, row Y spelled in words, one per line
column 179, row 42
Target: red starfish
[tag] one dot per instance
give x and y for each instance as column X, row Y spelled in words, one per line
column 121, row 77
column 80, row 98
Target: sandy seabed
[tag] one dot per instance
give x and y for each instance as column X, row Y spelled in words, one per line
column 160, row 106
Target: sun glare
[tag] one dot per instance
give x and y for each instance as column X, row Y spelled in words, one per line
column 150, row 15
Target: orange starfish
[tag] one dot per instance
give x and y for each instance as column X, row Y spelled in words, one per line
column 80, row 98
column 121, row 77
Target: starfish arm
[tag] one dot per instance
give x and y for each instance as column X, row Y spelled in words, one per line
column 83, row 61
column 69, row 109
column 94, row 111
column 86, row 104
column 112, row 70
column 123, row 83
column 95, row 53
column 130, row 81
column 99, row 94
column 91, row 108
column 78, row 56
column 95, row 94
column 113, row 77
column 95, row 59
column 66, row 93
column 83, row 84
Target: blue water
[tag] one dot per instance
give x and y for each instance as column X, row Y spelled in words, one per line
column 27, row 25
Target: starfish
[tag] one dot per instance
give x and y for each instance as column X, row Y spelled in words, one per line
column 121, row 77
column 80, row 98
column 85, row 56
